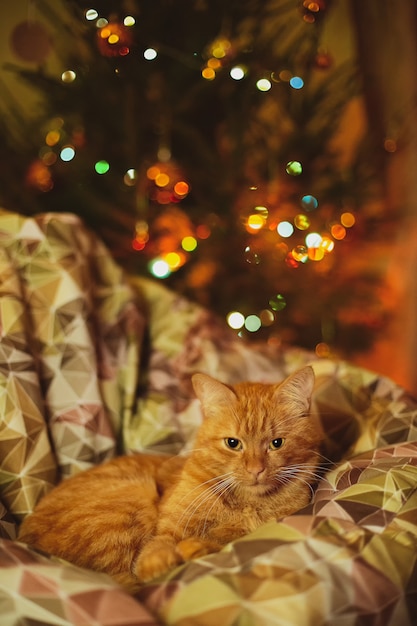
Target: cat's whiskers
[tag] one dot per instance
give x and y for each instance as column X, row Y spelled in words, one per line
column 304, row 473
column 222, row 488
column 195, row 504
column 209, row 490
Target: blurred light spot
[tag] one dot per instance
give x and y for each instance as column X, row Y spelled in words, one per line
column 208, row 73
column 238, row 72
column 102, row 167
column 300, row 253
column 255, row 222
column 189, row 243
column 264, row 84
column 162, row 179
column 68, row 76
column 181, row 188
column 278, row 302
column 129, row 20
column 252, row 323
column 150, row 54
column 235, row 320
column 91, row 14
column 296, row 82
column 251, row 256
column 347, row 219
column 338, row 231
column 322, row 350
column 301, row 221
column 52, row 137
column 159, row 268
column 130, row 178
column 309, row 203
column 67, row 153
column 285, row 229
column 327, row 244
column 203, row 231
column 315, row 254
column 294, row 168
column 267, row 317
column 313, row 240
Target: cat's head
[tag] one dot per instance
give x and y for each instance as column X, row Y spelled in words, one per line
column 259, row 434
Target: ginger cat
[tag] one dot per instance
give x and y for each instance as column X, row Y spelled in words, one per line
column 255, row 459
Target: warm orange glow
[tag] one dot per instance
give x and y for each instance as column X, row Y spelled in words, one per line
column 152, row 172
column 162, row 180
column 52, row 138
column 203, row 231
column 208, row 73
column 347, row 219
column 214, row 64
column 255, row 222
column 105, row 33
column 181, row 188
column 327, row 244
column 315, row 254
column 338, row 231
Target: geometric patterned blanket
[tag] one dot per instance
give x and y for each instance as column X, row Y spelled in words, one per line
column 94, row 363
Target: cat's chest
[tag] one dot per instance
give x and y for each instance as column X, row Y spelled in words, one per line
column 252, row 517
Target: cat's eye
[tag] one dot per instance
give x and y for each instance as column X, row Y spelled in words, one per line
column 233, row 444
column 276, row 444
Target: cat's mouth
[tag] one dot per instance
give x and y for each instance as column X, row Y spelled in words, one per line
column 258, row 486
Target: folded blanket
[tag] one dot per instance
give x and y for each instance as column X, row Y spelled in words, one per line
column 94, row 363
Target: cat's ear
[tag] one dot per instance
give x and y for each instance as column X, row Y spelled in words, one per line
column 296, row 391
column 212, row 393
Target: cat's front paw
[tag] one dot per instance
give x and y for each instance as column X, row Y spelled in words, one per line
column 156, row 563
column 193, row 548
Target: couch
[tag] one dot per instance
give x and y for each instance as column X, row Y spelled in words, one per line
column 96, row 363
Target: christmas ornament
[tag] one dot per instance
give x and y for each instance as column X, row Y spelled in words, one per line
column 114, row 39
column 31, row 42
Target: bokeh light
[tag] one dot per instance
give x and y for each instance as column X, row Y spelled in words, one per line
column 238, row 72
column 338, row 231
column 91, row 14
column 255, row 222
column 189, row 243
column 102, row 167
column 309, row 203
column 296, row 82
column 67, row 153
column 150, row 54
column 263, row 84
column 68, row 76
column 253, row 323
column 347, row 219
column 285, row 229
column 235, row 319
column 300, row 253
column 301, row 221
column 278, row 302
column 251, row 256
column 313, row 240
column 159, row 268
column 130, row 177
column 294, row 168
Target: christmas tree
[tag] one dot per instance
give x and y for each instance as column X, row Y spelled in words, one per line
column 198, row 139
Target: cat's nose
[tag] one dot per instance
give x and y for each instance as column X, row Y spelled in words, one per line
column 255, row 468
